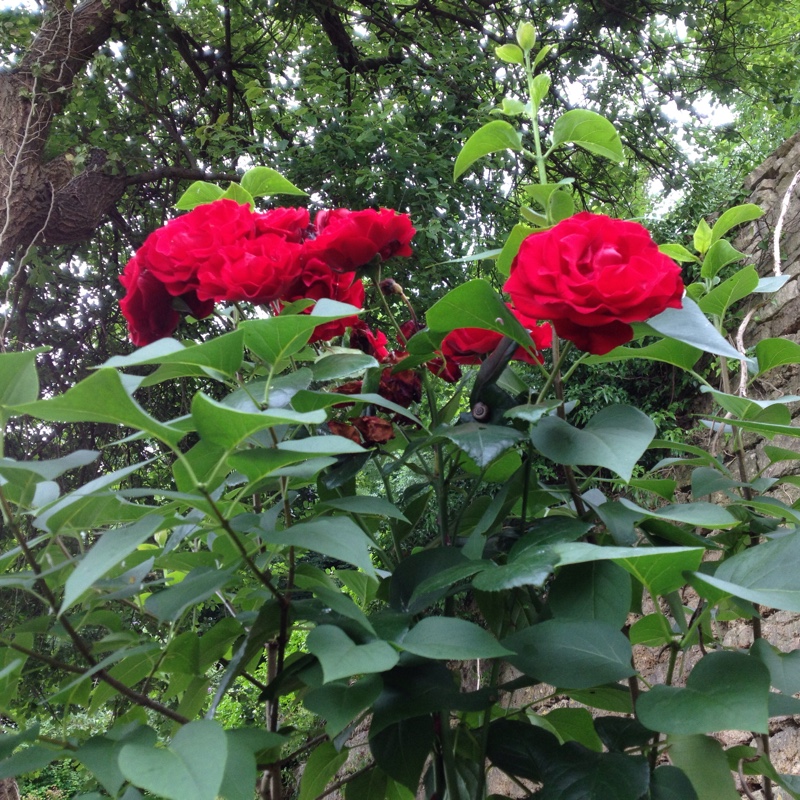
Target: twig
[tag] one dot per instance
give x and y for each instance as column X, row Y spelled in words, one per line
column 776, row 239
column 741, row 348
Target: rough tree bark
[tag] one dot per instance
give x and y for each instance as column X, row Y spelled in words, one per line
column 41, row 202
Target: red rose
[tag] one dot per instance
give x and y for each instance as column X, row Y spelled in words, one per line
column 592, row 276
column 256, row 270
column 289, row 223
column 175, row 252
column 150, row 309
column 470, row 345
column 373, row 344
column 317, row 281
column 403, row 388
column 375, row 430
column 347, row 240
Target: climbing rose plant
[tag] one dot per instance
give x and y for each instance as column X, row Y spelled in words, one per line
column 389, row 518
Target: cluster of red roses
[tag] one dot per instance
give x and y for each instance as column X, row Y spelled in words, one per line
column 591, row 276
column 224, row 251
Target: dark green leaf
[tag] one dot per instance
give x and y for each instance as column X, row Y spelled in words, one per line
column 724, row 691
column 323, row 763
column 450, row 639
column 341, row 657
column 341, row 703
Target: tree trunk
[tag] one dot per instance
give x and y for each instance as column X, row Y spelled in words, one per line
column 43, row 203
column 8, row 789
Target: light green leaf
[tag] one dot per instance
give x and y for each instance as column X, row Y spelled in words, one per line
column 191, row 768
column 540, row 86
column 239, row 194
column 341, row 365
column 511, row 247
column 668, row 351
column 730, row 291
column 510, row 53
column 341, row 657
column 19, row 382
column 724, row 691
column 222, row 354
column 677, row 252
column 491, row 138
column 733, row 217
column 719, row 255
column 702, row 237
column 615, row 438
column 110, row 550
column 772, row 353
column 451, row 639
column 226, row 427
column 197, row 194
column 589, row 130
column 263, row 181
column 102, row 397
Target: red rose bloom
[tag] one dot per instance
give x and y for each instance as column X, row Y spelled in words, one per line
column 256, row 270
column 149, row 308
column 317, row 281
column 289, row 223
column 347, row 240
column 470, row 345
column 175, row 252
column 592, row 276
column 365, row 340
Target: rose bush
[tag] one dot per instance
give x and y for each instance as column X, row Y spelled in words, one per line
column 592, row 276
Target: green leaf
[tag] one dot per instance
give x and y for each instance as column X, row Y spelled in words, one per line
column 364, row 504
column 221, row 354
column 784, row 668
column 670, row 783
column 19, row 382
column 475, row 304
column 191, row 768
column 677, row 252
column 263, row 181
column 571, row 654
column 341, row 365
column 719, row 255
column 482, row 443
column 579, row 774
column 450, row 639
column 591, row 131
column 197, row 194
column 615, row 438
column 765, row 574
column 226, row 427
column 510, row 53
column 668, row 351
column 652, row 630
column 772, row 353
column 724, row 691
column 575, row 725
column 730, row 291
column 401, row 749
column 337, row 537
column 239, row 194
column 561, row 206
column 703, row 761
column 596, row 590
column 323, row 763
column 491, row 138
column 511, row 247
column 110, row 550
column 702, row 237
column 341, row 703
column 733, row 217
column 688, row 324
column 169, row 604
column 102, row 397
column 341, row 657
column 540, row 86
